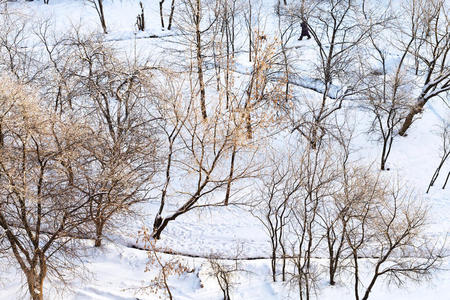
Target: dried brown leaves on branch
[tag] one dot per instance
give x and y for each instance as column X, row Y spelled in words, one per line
column 166, row 267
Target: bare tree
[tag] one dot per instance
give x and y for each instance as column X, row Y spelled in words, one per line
column 318, row 171
column 196, row 28
column 225, row 274
column 337, row 33
column 18, row 57
column 273, row 207
column 207, row 39
column 41, row 210
column 264, row 89
column 98, row 5
column 333, row 213
column 387, row 96
column 390, row 229
column 198, row 150
column 172, row 10
column 166, row 267
column 58, row 61
column 445, row 154
column 140, row 19
column 286, row 30
column 161, row 2
column 121, row 155
column 431, row 32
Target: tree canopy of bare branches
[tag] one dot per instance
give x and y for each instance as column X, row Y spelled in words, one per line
column 41, row 209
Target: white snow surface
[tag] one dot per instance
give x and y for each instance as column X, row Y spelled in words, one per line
column 117, row 270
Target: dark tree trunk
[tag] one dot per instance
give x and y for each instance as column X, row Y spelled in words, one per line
column 200, row 60
column 102, row 16
column 274, row 264
column 172, row 9
column 418, row 108
column 159, row 225
column 230, row 179
column 98, row 234
column 446, row 180
column 161, row 13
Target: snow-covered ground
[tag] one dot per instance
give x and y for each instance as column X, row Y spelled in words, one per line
column 117, row 270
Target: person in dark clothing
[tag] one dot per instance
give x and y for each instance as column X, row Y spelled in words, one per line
column 305, row 31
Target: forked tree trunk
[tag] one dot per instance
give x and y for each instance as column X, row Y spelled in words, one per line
column 35, row 288
column 158, row 226
column 35, row 279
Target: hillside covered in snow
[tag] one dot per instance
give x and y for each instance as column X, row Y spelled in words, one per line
column 224, row 149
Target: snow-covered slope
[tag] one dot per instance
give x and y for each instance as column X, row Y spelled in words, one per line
column 117, row 270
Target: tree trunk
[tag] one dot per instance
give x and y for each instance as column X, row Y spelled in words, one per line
column 274, row 265
column 158, row 227
column 446, row 180
column 356, row 274
column 283, row 261
column 142, row 17
column 102, row 16
column 98, row 234
column 230, row 178
column 331, row 266
column 250, row 32
column 438, row 170
column 36, row 291
column 161, row 13
column 383, row 162
column 172, row 8
column 35, row 281
column 200, row 60
column 418, row 108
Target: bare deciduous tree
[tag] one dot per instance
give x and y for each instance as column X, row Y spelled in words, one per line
column 389, row 228
column 337, row 32
column 121, row 155
column 387, row 96
column 225, row 274
column 429, row 27
column 334, row 211
column 17, row 57
column 319, row 175
column 273, row 207
column 445, row 154
column 161, row 2
column 98, row 5
column 197, row 149
column 196, row 27
column 41, row 210
column 166, row 267
column 140, row 19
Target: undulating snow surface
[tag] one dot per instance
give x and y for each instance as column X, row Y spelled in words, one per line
column 116, row 271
